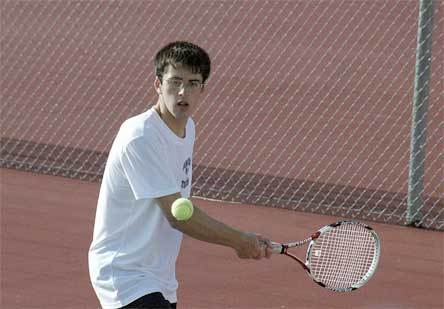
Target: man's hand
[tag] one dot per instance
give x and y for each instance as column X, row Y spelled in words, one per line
column 254, row 246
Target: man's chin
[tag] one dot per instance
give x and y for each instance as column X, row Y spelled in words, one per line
column 182, row 114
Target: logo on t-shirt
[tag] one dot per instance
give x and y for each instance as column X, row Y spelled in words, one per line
column 187, row 165
column 186, row 168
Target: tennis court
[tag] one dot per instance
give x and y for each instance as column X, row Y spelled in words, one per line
column 308, row 117
column 47, row 227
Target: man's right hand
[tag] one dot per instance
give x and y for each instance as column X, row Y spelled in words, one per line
column 254, row 246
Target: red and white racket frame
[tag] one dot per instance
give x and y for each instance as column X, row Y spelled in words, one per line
column 282, row 248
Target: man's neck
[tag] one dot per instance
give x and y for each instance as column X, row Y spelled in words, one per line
column 175, row 125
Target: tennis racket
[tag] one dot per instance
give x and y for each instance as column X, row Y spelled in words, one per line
column 341, row 257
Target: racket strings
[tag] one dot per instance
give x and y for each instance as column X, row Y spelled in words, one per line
column 343, row 261
column 342, row 257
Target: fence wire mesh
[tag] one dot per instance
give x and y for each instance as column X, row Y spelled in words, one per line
column 309, row 105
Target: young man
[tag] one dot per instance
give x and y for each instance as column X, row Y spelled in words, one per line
column 136, row 239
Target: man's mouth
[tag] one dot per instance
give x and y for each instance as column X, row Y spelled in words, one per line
column 182, row 103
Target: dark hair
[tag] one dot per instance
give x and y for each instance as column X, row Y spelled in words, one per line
column 185, row 53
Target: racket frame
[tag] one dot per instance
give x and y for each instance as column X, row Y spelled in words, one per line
column 282, row 248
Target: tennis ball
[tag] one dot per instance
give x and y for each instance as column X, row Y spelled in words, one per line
column 182, row 209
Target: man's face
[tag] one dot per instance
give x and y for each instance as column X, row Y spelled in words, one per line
column 180, row 91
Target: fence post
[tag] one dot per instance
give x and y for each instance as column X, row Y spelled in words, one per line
column 420, row 108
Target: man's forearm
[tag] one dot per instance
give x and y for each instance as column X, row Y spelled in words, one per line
column 203, row 227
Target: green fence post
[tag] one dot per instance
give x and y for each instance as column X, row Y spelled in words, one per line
column 420, row 109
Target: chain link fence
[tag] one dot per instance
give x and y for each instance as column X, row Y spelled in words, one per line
column 310, row 106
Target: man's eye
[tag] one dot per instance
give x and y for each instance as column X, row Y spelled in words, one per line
column 195, row 84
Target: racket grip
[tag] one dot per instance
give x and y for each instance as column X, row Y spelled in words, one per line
column 277, row 247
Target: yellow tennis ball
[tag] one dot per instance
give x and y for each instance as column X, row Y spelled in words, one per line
column 182, row 209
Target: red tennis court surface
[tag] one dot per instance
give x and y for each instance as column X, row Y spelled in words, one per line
column 47, row 226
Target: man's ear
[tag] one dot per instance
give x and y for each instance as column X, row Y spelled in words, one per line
column 158, row 85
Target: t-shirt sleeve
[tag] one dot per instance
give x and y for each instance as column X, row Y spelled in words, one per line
column 147, row 170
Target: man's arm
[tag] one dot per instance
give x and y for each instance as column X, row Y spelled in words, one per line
column 203, row 227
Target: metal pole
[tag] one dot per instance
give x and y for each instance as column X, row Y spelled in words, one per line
column 420, row 109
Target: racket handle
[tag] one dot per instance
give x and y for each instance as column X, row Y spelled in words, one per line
column 277, row 248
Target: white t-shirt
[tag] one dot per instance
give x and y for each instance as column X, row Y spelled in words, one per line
column 134, row 248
